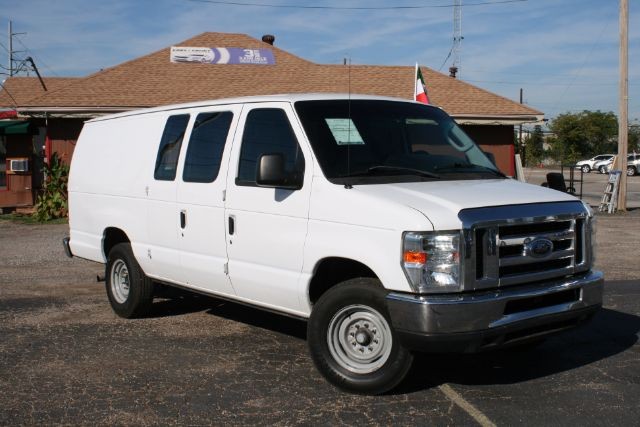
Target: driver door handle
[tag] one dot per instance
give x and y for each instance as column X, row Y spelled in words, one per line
column 232, row 225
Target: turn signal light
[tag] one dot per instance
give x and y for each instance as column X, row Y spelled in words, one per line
column 415, row 257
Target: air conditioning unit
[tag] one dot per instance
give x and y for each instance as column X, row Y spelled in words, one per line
column 19, row 165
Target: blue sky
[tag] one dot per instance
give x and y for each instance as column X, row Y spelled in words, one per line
column 563, row 53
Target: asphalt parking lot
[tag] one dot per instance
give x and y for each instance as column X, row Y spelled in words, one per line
column 66, row 358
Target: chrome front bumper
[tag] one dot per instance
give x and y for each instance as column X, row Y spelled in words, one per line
column 481, row 320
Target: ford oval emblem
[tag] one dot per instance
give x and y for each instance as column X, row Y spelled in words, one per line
column 539, row 248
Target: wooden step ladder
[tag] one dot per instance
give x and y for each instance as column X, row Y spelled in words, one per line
column 610, row 197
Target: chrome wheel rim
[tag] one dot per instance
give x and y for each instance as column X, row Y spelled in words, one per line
column 120, row 281
column 359, row 339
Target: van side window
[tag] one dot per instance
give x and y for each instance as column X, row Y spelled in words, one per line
column 206, row 145
column 268, row 131
column 169, row 150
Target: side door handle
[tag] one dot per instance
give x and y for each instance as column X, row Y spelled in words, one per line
column 183, row 219
column 232, row 225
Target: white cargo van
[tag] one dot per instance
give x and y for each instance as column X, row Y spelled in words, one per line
column 376, row 219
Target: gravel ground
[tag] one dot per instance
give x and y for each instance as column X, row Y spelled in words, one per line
column 65, row 358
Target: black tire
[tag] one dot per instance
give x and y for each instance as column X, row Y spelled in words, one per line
column 130, row 292
column 631, row 171
column 364, row 299
column 586, row 168
column 602, row 169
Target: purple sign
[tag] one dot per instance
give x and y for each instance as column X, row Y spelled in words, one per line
column 222, row 55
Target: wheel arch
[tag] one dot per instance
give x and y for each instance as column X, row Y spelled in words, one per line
column 111, row 237
column 330, row 271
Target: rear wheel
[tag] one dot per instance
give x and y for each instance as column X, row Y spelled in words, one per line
column 130, row 292
column 352, row 342
column 586, row 168
column 602, row 169
column 631, row 171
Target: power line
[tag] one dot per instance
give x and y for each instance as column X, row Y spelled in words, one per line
column 10, row 96
column 294, row 6
column 38, row 57
column 447, row 58
column 524, row 73
column 543, row 83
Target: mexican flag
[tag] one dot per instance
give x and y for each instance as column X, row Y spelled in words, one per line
column 420, row 88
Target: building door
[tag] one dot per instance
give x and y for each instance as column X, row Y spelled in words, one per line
column 16, row 156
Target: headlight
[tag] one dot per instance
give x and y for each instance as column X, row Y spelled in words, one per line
column 431, row 261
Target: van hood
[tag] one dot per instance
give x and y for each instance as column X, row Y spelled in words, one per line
column 440, row 201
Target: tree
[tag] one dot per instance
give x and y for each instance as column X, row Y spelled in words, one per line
column 634, row 138
column 52, row 202
column 584, row 134
column 533, row 146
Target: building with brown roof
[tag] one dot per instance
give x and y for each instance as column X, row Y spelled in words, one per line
column 56, row 115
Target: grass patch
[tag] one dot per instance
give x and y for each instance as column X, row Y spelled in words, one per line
column 30, row 219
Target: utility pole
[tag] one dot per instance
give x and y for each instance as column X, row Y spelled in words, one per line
column 522, row 150
column 12, row 59
column 623, row 99
column 10, row 50
column 457, row 38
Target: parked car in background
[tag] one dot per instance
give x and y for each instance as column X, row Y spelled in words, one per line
column 603, row 165
column 588, row 165
column 633, row 164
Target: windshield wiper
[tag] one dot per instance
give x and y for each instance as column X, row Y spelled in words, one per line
column 469, row 166
column 386, row 168
column 412, row 171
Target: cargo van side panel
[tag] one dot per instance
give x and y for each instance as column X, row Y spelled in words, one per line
column 112, row 163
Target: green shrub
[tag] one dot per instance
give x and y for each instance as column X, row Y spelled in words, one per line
column 52, row 202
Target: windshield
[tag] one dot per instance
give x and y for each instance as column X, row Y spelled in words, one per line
column 369, row 141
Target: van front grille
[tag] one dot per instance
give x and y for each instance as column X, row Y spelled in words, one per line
column 538, row 245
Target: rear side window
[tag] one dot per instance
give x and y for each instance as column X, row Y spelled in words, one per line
column 206, row 145
column 169, row 150
column 268, row 131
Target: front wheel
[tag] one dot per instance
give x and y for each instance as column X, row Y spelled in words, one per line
column 586, row 168
column 130, row 292
column 352, row 342
column 631, row 171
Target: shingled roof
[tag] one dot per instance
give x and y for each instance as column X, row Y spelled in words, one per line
column 152, row 80
column 17, row 91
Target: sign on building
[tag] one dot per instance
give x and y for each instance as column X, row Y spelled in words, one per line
column 222, row 55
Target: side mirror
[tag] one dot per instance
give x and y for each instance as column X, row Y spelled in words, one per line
column 271, row 173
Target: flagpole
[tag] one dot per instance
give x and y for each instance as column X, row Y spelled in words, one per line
column 415, row 82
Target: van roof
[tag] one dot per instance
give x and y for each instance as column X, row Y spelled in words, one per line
column 250, row 100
